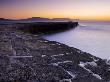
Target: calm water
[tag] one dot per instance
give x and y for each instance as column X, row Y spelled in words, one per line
column 91, row 37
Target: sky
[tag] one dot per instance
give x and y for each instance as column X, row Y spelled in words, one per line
column 75, row 9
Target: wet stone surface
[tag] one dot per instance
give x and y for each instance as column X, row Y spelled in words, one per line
column 27, row 58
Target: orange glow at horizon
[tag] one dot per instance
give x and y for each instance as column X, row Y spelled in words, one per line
column 55, row 15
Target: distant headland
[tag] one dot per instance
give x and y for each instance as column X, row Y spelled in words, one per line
column 39, row 19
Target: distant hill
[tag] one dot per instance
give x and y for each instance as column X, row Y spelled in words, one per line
column 45, row 19
column 38, row 19
column 35, row 19
column 3, row 19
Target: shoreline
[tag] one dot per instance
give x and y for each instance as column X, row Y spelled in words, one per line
column 27, row 57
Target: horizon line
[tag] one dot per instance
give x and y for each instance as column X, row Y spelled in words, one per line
column 56, row 18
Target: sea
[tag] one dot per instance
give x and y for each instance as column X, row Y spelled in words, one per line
column 90, row 36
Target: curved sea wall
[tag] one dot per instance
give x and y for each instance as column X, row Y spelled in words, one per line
column 46, row 27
